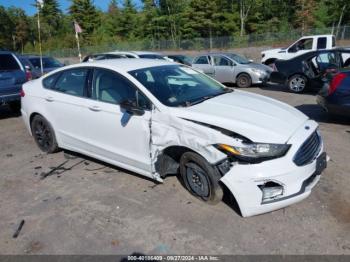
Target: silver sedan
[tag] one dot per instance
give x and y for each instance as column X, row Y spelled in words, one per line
column 232, row 68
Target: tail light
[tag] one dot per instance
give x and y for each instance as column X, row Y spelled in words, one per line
column 29, row 75
column 22, row 94
column 336, row 81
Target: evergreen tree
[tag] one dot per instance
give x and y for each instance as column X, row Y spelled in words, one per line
column 85, row 14
column 51, row 16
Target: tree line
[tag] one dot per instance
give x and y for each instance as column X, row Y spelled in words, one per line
column 154, row 20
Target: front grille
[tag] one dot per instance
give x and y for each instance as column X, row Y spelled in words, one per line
column 308, row 150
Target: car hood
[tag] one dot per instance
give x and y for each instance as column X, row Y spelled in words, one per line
column 258, row 118
column 273, row 51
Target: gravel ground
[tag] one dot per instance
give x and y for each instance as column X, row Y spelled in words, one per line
column 89, row 207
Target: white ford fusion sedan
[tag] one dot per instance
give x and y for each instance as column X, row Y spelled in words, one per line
column 158, row 118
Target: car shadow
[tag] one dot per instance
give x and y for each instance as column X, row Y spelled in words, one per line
column 6, row 112
column 318, row 114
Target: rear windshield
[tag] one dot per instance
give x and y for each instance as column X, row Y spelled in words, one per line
column 8, row 63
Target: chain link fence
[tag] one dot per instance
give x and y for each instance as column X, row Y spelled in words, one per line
column 198, row 44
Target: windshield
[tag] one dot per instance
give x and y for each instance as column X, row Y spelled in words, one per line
column 175, row 85
column 48, row 62
column 239, row 59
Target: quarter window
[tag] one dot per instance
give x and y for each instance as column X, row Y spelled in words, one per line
column 72, row 81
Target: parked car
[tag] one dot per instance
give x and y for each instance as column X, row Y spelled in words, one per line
column 301, row 46
column 103, row 56
column 182, row 59
column 29, row 67
column 49, row 64
column 141, row 54
column 232, row 68
column 334, row 97
column 157, row 118
column 13, row 74
column 308, row 70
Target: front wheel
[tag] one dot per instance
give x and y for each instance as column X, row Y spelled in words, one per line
column 297, row 83
column 44, row 135
column 244, row 80
column 200, row 178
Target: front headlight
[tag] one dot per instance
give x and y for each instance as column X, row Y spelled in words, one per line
column 255, row 151
column 258, row 71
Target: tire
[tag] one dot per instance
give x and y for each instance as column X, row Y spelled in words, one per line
column 44, row 135
column 15, row 106
column 244, row 80
column 200, row 178
column 297, row 83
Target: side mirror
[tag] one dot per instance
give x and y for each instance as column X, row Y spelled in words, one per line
column 131, row 108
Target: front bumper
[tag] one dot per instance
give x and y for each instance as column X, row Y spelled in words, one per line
column 260, row 78
column 243, row 180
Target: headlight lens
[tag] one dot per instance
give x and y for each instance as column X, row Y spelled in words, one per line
column 255, row 151
column 258, row 71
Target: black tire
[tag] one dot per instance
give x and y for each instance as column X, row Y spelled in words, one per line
column 297, row 83
column 244, row 80
column 44, row 135
column 15, row 106
column 200, row 178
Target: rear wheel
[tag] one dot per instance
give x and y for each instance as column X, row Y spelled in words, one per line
column 200, row 178
column 15, row 106
column 244, row 80
column 44, row 135
column 297, row 83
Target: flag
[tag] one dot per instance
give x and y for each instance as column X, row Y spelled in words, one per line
column 77, row 28
column 41, row 3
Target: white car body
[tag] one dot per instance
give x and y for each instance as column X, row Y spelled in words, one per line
column 316, row 42
column 97, row 129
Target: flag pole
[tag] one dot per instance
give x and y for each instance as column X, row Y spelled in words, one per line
column 39, row 36
column 78, row 44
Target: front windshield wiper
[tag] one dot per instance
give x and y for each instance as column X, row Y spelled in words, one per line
column 204, row 98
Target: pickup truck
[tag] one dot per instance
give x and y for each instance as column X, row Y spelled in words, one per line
column 301, row 46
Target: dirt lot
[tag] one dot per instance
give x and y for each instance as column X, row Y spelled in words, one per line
column 88, row 207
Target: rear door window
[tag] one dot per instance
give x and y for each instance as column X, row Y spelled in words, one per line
column 49, row 82
column 321, row 43
column 72, row 81
column 8, row 63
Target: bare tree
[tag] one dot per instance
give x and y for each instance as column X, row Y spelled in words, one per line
column 245, row 6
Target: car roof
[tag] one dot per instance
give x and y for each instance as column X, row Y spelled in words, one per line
column 310, row 36
column 125, row 64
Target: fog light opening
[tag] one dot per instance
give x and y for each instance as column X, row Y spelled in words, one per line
column 271, row 190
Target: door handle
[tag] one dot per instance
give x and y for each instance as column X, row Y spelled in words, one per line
column 95, row 108
column 49, row 99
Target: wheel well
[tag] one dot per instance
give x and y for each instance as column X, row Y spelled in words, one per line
column 168, row 161
column 243, row 73
column 270, row 60
column 32, row 117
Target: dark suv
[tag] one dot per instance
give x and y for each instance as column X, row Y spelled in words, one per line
column 13, row 74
